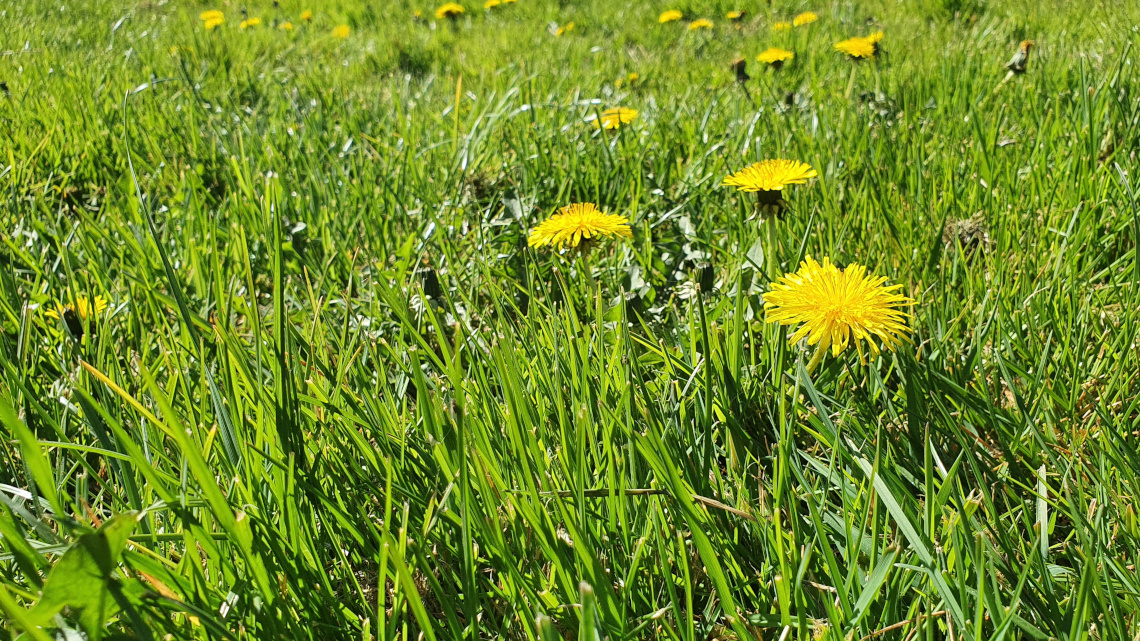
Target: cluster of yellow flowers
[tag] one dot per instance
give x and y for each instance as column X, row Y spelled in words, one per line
column 673, row 15
column 832, row 307
column 859, row 48
column 736, row 15
column 212, row 19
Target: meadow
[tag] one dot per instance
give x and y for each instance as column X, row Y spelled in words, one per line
column 279, row 358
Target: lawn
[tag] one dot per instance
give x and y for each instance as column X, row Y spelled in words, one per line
column 282, row 358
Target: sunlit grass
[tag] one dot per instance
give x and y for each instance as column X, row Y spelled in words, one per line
column 334, row 394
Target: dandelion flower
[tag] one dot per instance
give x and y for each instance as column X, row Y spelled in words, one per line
column 77, row 314
column 615, row 117
column 450, row 10
column 734, row 15
column 491, row 4
column 576, row 223
column 214, row 23
column 806, row 17
column 671, row 15
column 566, row 29
column 249, row 23
column 781, row 26
column 768, row 178
column 836, row 307
column 857, row 48
column 875, row 39
column 212, row 14
column 285, row 26
column 307, row 15
column 341, row 31
column 83, row 307
column 775, row 57
column 700, row 23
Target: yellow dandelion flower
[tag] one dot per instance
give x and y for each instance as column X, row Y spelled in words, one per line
column 734, row 15
column 212, row 14
column 566, row 29
column 491, row 4
column 806, row 17
column 857, row 48
column 768, row 178
column 629, row 80
column 307, row 15
column 671, row 15
column 249, row 23
column 78, row 314
column 700, row 23
column 341, row 31
column 781, row 26
column 775, row 57
column 836, row 307
column 214, row 23
column 285, row 26
column 575, row 223
column 83, row 307
column 450, row 10
column 616, row 117
column 874, row 38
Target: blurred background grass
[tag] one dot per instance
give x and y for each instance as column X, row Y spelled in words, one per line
column 335, row 396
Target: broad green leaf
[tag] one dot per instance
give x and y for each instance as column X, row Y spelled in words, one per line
column 79, row 580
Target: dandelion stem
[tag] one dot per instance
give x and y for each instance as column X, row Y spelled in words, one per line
column 748, row 94
column 851, row 82
column 772, row 251
column 458, row 97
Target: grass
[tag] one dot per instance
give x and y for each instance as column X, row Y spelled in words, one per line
column 334, row 395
